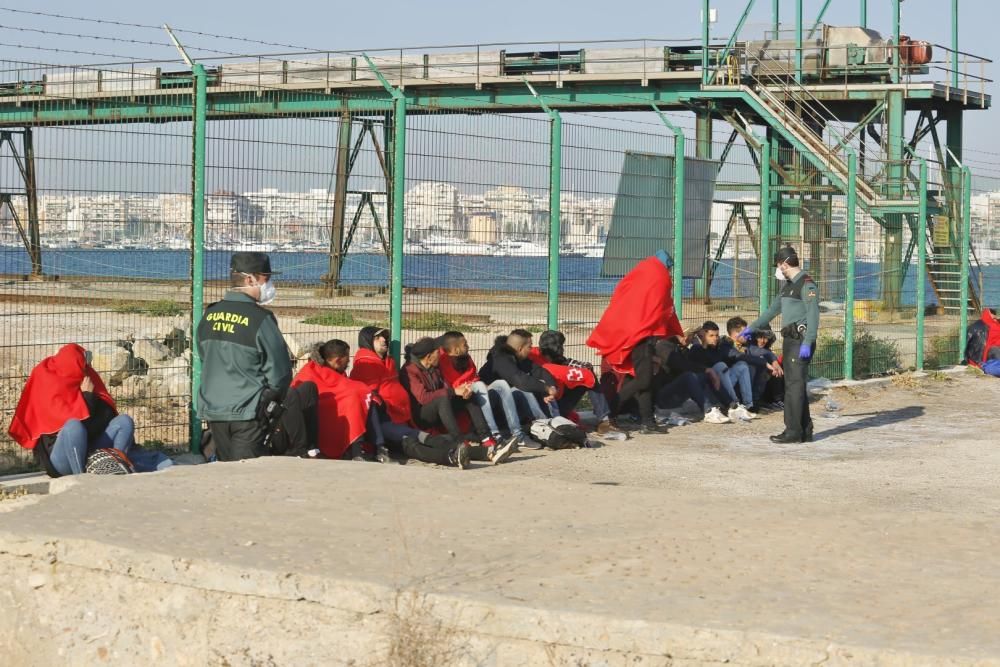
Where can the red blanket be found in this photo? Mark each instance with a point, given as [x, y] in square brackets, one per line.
[641, 306]
[381, 377]
[567, 377]
[342, 411]
[992, 332]
[455, 377]
[52, 396]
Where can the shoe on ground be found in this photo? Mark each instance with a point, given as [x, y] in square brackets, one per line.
[715, 416]
[459, 457]
[359, 458]
[604, 426]
[501, 452]
[382, 455]
[740, 412]
[651, 428]
[785, 438]
[489, 442]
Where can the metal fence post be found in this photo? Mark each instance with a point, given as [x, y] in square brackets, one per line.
[963, 318]
[852, 203]
[555, 222]
[398, 210]
[679, 175]
[197, 243]
[765, 226]
[921, 263]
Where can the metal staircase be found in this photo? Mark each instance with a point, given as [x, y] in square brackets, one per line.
[793, 112]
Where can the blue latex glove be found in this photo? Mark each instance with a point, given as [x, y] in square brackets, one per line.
[746, 333]
[805, 351]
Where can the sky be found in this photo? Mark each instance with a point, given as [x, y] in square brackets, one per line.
[341, 25]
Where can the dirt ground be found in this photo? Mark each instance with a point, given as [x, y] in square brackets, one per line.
[880, 537]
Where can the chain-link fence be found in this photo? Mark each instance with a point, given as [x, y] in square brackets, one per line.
[462, 227]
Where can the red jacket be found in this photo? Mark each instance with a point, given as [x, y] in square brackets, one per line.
[455, 377]
[992, 332]
[52, 396]
[342, 411]
[640, 307]
[381, 377]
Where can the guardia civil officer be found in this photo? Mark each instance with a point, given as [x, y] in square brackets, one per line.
[246, 368]
[798, 303]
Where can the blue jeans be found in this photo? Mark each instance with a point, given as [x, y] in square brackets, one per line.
[384, 429]
[481, 397]
[511, 402]
[991, 367]
[733, 377]
[69, 453]
[685, 386]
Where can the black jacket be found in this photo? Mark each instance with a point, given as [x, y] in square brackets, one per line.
[502, 364]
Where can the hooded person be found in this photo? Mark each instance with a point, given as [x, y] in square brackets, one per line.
[510, 360]
[640, 312]
[573, 378]
[342, 403]
[375, 367]
[982, 339]
[65, 413]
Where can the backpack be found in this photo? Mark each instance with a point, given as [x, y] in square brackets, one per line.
[108, 462]
[558, 433]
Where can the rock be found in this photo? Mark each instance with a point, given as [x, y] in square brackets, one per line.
[296, 348]
[151, 351]
[171, 383]
[109, 359]
[134, 387]
[176, 340]
[37, 580]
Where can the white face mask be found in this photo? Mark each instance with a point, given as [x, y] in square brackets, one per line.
[778, 274]
[267, 293]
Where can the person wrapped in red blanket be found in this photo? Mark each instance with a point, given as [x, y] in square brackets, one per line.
[66, 413]
[641, 311]
[342, 404]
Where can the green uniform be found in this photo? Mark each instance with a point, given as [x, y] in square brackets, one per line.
[798, 304]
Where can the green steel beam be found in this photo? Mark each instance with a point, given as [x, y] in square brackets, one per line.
[819, 18]
[893, 224]
[398, 211]
[798, 41]
[963, 317]
[706, 8]
[555, 206]
[679, 189]
[197, 244]
[732, 38]
[921, 263]
[852, 205]
[766, 228]
[954, 43]
[776, 17]
[864, 13]
[897, 64]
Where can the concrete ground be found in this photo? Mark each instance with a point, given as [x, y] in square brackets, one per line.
[875, 545]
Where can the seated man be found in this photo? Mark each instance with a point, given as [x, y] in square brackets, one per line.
[772, 392]
[509, 360]
[459, 371]
[708, 350]
[342, 403]
[65, 414]
[680, 378]
[435, 403]
[573, 378]
[761, 367]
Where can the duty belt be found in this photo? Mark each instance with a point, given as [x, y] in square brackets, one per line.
[793, 331]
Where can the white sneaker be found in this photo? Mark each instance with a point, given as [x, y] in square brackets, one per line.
[740, 412]
[752, 415]
[715, 416]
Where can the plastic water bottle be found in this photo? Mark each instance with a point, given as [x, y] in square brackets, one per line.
[678, 420]
[832, 408]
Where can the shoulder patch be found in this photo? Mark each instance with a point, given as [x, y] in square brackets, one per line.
[810, 290]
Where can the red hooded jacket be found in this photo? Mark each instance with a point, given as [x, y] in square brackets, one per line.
[641, 306]
[382, 378]
[992, 332]
[52, 396]
[342, 410]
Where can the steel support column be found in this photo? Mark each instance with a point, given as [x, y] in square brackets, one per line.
[921, 263]
[703, 150]
[339, 204]
[893, 223]
[963, 318]
[852, 205]
[197, 242]
[555, 202]
[766, 228]
[679, 190]
[31, 192]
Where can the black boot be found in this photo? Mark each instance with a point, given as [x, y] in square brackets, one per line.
[651, 428]
[785, 438]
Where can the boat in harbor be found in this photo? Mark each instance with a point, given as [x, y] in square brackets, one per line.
[516, 248]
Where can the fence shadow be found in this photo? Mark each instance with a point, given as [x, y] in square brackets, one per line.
[874, 419]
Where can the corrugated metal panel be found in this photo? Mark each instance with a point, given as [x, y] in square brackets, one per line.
[643, 217]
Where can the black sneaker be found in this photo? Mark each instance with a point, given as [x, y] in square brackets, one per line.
[652, 428]
[382, 455]
[459, 457]
[503, 450]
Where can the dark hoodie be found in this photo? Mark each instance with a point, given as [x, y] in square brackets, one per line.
[502, 364]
